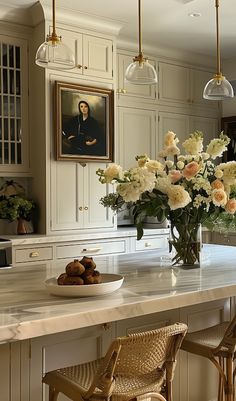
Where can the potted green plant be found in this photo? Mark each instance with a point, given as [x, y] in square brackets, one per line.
[18, 208]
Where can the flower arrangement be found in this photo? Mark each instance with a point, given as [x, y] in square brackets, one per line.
[188, 189]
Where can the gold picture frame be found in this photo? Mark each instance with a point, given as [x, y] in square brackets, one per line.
[84, 123]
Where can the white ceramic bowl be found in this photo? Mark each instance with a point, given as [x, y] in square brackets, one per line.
[110, 283]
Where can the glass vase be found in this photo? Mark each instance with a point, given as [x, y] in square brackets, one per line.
[185, 245]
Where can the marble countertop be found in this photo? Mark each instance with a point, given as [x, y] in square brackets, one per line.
[27, 310]
[126, 231]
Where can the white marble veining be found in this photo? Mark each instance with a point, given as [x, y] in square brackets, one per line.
[27, 310]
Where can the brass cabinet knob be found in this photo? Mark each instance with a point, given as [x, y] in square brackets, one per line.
[81, 208]
[148, 245]
[79, 66]
[85, 207]
[85, 67]
[34, 254]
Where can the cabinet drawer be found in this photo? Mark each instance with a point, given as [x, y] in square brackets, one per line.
[90, 249]
[33, 254]
[151, 243]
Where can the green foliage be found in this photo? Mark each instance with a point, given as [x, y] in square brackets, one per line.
[15, 207]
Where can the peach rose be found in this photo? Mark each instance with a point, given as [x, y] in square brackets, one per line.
[190, 170]
[219, 197]
[230, 206]
[217, 184]
[175, 175]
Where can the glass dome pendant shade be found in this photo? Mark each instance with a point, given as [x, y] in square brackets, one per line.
[218, 88]
[140, 72]
[53, 53]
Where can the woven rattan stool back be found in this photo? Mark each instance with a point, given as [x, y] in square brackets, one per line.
[134, 365]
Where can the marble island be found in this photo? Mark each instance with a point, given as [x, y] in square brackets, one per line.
[27, 310]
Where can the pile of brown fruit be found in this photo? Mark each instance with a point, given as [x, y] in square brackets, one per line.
[80, 272]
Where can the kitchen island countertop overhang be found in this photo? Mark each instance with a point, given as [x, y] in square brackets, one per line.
[27, 310]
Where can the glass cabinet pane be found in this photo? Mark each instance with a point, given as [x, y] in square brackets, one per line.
[10, 104]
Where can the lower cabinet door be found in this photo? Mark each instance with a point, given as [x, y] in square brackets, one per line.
[62, 350]
[75, 198]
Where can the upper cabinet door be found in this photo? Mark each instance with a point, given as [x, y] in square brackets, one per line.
[174, 83]
[126, 88]
[97, 57]
[14, 157]
[93, 55]
[199, 80]
[137, 135]
[179, 84]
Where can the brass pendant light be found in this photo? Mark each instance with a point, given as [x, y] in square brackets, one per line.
[218, 88]
[140, 72]
[53, 53]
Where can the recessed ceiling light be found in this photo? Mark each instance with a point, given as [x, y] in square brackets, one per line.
[195, 15]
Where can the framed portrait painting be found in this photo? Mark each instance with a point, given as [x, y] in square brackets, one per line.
[84, 126]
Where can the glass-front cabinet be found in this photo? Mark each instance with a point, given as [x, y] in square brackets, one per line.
[13, 106]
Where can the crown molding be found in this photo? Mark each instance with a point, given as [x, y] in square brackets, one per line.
[43, 12]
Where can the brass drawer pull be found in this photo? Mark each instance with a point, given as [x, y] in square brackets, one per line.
[91, 249]
[34, 254]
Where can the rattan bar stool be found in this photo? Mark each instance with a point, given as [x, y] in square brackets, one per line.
[218, 344]
[134, 365]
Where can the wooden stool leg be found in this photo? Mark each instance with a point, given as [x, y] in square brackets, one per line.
[221, 384]
[53, 394]
[229, 379]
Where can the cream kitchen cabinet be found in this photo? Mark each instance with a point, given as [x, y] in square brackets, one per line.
[183, 85]
[14, 152]
[75, 197]
[183, 125]
[137, 134]
[128, 89]
[195, 378]
[62, 350]
[93, 54]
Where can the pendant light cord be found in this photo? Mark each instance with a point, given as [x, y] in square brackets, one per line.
[217, 37]
[139, 28]
[53, 37]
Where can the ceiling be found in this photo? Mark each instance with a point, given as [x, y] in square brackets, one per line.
[165, 23]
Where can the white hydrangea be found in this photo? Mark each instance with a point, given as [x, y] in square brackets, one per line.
[141, 180]
[229, 172]
[178, 197]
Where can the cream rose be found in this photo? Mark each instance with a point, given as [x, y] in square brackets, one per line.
[230, 206]
[113, 171]
[219, 197]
